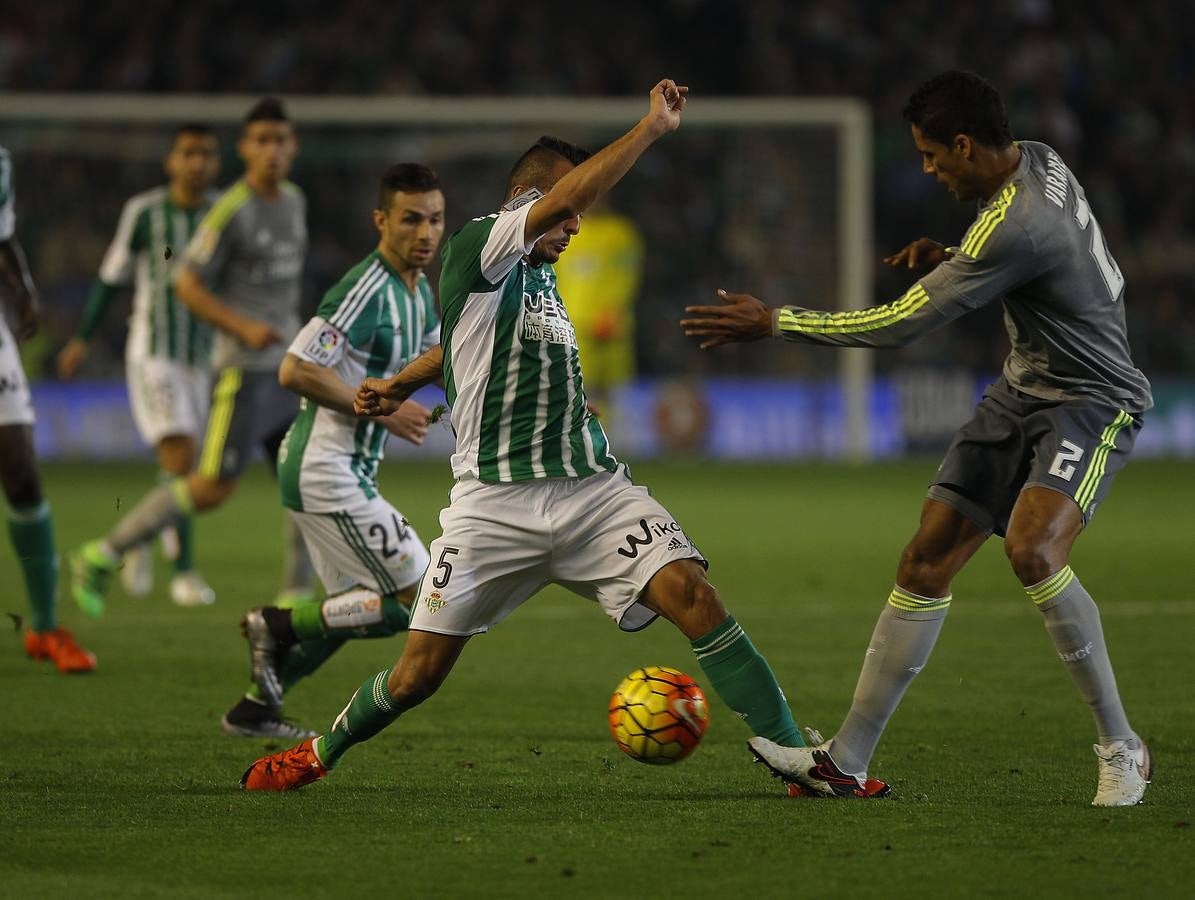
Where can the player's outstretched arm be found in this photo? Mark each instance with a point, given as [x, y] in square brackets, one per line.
[17, 290]
[383, 396]
[742, 317]
[580, 187]
[253, 333]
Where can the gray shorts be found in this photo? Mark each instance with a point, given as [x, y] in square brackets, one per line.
[249, 409]
[1015, 441]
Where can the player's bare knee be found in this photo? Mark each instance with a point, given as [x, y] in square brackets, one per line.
[921, 571]
[1033, 558]
[688, 599]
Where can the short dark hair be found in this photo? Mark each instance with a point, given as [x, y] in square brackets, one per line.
[406, 178]
[267, 109]
[958, 102]
[534, 166]
[198, 128]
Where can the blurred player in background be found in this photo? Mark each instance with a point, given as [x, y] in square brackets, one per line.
[30, 527]
[166, 356]
[242, 274]
[600, 275]
[376, 319]
[539, 497]
[1039, 454]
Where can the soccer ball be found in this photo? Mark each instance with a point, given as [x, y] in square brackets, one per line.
[658, 715]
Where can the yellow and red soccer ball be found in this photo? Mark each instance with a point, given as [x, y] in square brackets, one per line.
[658, 715]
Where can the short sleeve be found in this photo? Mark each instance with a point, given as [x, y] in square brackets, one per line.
[319, 342]
[8, 218]
[211, 245]
[506, 243]
[117, 267]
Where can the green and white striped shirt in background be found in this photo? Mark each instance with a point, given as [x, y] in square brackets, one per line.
[150, 239]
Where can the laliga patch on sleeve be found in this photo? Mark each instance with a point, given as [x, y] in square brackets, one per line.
[518, 202]
[325, 345]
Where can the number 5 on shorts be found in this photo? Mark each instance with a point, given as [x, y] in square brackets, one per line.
[444, 566]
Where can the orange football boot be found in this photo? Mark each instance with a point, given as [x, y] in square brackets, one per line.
[873, 788]
[59, 647]
[285, 771]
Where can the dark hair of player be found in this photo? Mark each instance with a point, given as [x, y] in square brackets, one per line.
[534, 167]
[267, 109]
[196, 128]
[406, 178]
[958, 102]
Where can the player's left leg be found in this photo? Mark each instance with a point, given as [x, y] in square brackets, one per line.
[1079, 447]
[31, 530]
[176, 458]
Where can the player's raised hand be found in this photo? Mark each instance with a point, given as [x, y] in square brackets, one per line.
[739, 319]
[667, 103]
[409, 422]
[922, 254]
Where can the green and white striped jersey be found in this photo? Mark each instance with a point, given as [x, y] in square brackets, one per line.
[368, 325]
[8, 218]
[149, 242]
[511, 368]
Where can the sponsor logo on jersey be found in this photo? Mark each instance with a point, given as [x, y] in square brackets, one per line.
[545, 319]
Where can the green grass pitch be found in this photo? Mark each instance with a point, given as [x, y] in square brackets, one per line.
[507, 784]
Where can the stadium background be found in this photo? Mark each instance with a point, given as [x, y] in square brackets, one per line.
[507, 784]
[1107, 86]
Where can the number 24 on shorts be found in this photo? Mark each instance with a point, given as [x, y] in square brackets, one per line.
[444, 567]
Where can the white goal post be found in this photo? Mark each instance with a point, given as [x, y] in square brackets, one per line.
[849, 117]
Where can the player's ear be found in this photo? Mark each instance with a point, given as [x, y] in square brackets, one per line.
[379, 219]
[964, 146]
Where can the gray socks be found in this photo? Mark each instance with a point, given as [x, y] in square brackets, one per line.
[900, 646]
[164, 505]
[1073, 623]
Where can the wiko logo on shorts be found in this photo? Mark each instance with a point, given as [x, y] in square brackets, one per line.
[649, 534]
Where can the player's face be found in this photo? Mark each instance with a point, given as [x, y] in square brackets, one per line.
[193, 161]
[412, 227]
[949, 164]
[549, 247]
[268, 149]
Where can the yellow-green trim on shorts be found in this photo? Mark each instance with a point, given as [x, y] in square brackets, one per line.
[219, 421]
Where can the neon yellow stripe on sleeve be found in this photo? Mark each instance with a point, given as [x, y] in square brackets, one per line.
[989, 222]
[857, 320]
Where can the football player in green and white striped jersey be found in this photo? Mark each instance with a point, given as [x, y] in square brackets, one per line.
[539, 498]
[377, 318]
[166, 355]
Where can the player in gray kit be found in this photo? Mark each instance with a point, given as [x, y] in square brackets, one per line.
[242, 273]
[1040, 452]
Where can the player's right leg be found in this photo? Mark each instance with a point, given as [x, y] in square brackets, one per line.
[31, 530]
[900, 646]
[426, 661]
[176, 458]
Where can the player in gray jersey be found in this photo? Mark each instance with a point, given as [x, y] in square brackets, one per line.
[539, 498]
[1040, 453]
[241, 273]
[166, 355]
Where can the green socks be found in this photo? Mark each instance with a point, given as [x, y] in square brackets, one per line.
[746, 683]
[32, 533]
[357, 613]
[371, 709]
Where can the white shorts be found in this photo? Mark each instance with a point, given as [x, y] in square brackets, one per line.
[16, 403]
[602, 537]
[368, 546]
[168, 397]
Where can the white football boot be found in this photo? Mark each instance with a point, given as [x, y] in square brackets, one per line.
[1124, 774]
[813, 770]
[137, 571]
[189, 589]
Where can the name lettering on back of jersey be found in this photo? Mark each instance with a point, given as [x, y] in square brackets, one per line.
[545, 319]
[1057, 179]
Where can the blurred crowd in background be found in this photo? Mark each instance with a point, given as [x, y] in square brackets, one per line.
[1108, 84]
